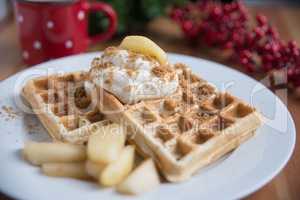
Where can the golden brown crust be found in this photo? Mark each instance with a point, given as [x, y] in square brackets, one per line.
[184, 141]
[185, 135]
[59, 103]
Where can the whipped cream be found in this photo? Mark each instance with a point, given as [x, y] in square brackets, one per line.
[132, 77]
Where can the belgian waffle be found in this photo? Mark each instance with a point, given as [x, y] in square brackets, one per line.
[190, 129]
[64, 107]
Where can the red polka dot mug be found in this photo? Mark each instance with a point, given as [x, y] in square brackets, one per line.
[51, 28]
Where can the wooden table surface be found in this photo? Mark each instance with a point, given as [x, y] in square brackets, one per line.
[286, 185]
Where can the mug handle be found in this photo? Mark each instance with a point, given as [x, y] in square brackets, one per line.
[112, 18]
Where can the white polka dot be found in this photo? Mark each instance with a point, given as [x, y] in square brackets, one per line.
[25, 54]
[20, 18]
[80, 15]
[69, 44]
[50, 24]
[37, 45]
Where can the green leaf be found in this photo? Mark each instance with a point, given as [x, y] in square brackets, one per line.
[132, 14]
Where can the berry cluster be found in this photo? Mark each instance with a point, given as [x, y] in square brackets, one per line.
[227, 27]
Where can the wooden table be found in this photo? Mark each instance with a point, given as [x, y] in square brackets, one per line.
[284, 186]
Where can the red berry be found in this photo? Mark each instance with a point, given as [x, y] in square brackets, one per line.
[226, 26]
[228, 45]
[217, 11]
[292, 44]
[259, 32]
[187, 25]
[261, 20]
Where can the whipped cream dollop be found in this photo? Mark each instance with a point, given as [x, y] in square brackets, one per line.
[132, 77]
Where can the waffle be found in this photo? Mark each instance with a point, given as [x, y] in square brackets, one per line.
[190, 129]
[64, 107]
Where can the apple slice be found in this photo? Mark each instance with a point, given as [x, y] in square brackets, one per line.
[38, 153]
[105, 145]
[94, 169]
[144, 45]
[142, 179]
[116, 171]
[71, 170]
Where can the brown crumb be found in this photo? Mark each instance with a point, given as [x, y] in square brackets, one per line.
[164, 133]
[163, 72]
[10, 113]
[96, 62]
[205, 90]
[130, 72]
[170, 104]
[180, 66]
[159, 71]
[205, 115]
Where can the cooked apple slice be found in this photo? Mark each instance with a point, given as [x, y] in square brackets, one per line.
[71, 170]
[142, 179]
[105, 145]
[38, 153]
[145, 46]
[94, 169]
[116, 171]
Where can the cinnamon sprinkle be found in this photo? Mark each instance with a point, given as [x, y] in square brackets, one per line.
[10, 114]
[96, 62]
[164, 72]
[180, 66]
[130, 72]
[170, 104]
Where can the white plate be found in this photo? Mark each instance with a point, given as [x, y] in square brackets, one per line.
[243, 171]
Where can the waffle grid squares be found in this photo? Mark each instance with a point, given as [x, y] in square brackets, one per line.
[64, 104]
[182, 132]
[185, 122]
